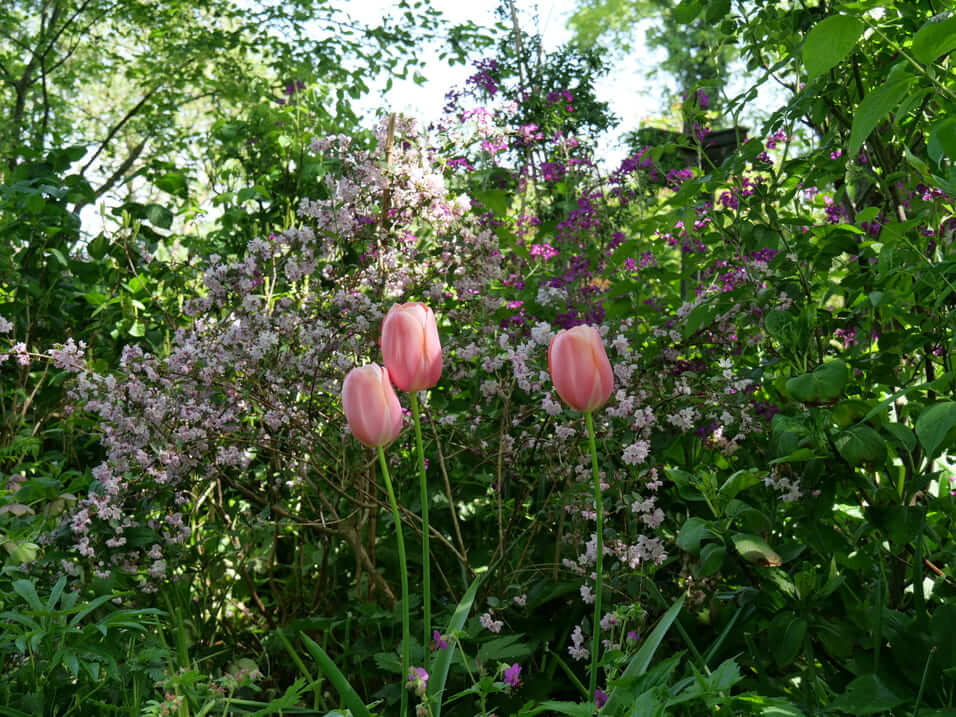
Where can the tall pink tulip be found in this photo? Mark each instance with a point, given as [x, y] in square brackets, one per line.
[411, 350]
[580, 369]
[371, 406]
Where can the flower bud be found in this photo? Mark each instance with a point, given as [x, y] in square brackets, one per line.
[411, 350]
[371, 406]
[580, 369]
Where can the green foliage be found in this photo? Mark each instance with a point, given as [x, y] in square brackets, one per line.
[785, 311]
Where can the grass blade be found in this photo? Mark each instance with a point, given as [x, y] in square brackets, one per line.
[335, 676]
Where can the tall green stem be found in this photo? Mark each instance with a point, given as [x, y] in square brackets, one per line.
[598, 559]
[406, 630]
[426, 555]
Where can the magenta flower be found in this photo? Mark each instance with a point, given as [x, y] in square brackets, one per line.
[440, 643]
[511, 675]
[417, 680]
[599, 698]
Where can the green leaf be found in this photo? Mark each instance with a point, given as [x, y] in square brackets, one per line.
[686, 11]
[755, 549]
[701, 315]
[158, 216]
[866, 695]
[691, 533]
[787, 633]
[860, 444]
[335, 676]
[98, 247]
[829, 42]
[503, 648]
[935, 38]
[824, 383]
[934, 425]
[174, 183]
[711, 560]
[874, 107]
[574, 709]
[739, 481]
[942, 140]
[26, 590]
[717, 10]
[436, 685]
[642, 660]
[903, 435]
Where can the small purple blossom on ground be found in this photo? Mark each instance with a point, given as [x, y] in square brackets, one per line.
[511, 675]
[440, 642]
[600, 698]
[417, 680]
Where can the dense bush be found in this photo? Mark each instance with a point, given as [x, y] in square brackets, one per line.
[777, 515]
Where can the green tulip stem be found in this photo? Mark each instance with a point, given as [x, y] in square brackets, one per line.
[406, 630]
[426, 555]
[598, 559]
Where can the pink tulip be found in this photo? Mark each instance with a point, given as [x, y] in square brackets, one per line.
[579, 367]
[411, 350]
[371, 406]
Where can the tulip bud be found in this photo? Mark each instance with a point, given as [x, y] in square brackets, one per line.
[411, 350]
[371, 406]
[580, 370]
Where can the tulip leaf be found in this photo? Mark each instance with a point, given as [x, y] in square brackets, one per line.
[441, 664]
[335, 676]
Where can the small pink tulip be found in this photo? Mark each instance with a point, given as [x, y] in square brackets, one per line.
[579, 368]
[371, 406]
[411, 350]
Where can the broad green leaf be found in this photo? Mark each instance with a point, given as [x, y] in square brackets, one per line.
[717, 10]
[739, 481]
[711, 559]
[98, 247]
[829, 42]
[787, 634]
[934, 425]
[848, 412]
[755, 549]
[942, 140]
[687, 10]
[699, 316]
[174, 183]
[866, 695]
[874, 107]
[158, 216]
[824, 383]
[903, 434]
[935, 38]
[26, 590]
[860, 444]
[25, 552]
[691, 533]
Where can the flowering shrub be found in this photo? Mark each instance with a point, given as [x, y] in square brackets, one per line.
[769, 466]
